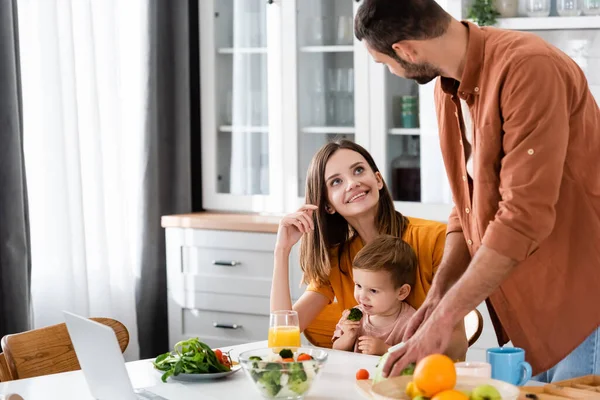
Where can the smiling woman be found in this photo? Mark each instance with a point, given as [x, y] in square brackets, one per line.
[347, 205]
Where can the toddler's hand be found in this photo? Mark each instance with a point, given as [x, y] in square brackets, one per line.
[371, 345]
[349, 327]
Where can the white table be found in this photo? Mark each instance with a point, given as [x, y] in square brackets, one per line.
[336, 381]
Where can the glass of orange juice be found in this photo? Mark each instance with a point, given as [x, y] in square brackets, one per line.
[284, 329]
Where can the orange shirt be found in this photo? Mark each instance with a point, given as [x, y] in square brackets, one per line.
[535, 191]
[427, 238]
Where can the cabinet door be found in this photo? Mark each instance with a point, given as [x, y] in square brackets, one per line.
[325, 83]
[405, 144]
[239, 43]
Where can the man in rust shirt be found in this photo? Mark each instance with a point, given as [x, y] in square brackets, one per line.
[520, 137]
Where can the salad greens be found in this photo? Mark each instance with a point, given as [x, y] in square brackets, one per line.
[189, 357]
[276, 377]
[286, 353]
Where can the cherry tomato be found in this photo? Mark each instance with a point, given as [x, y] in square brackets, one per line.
[288, 360]
[362, 374]
[304, 357]
[219, 354]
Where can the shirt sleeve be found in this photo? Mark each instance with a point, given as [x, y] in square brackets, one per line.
[453, 222]
[535, 106]
[325, 290]
[438, 248]
[338, 330]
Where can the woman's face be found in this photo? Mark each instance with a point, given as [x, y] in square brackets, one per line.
[352, 186]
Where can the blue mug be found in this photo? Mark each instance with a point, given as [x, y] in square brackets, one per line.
[509, 365]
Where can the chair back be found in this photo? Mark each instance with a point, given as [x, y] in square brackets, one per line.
[48, 350]
[473, 326]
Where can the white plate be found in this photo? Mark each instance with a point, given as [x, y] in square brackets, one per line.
[202, 377]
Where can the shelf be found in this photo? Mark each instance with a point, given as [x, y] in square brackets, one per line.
[342, 130]
[327, 49]
[549, 23]
[404, 131]
[242, 50]
[249, 129]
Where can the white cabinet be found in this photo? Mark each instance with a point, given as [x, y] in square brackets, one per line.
[281, 78]
[219, 283]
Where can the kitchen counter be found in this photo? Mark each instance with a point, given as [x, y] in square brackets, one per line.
[223, 221]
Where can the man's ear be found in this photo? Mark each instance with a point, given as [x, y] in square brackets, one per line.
[403, 292]
[406, 51]
[379, 178]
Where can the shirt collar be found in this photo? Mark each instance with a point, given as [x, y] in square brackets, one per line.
[469, 82]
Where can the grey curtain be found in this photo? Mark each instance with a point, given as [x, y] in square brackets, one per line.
[15, 261]
[167, 187]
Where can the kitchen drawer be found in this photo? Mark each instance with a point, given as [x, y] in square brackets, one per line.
[221, 302]
[224, 239]
[226, 262]
[232, 326]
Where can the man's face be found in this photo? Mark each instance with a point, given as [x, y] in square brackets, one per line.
[421, 73]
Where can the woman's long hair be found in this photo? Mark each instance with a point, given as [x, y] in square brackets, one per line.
[332, 229]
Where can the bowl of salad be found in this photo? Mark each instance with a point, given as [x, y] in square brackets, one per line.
[283, 373]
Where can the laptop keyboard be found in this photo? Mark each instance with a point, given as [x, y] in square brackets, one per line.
[142, 394]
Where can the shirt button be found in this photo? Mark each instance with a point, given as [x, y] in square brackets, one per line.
[467, 210]
[469, 242]
[530, 152]
[464, 177]
[476, 89]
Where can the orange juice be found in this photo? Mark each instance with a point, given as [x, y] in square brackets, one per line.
[284, 336]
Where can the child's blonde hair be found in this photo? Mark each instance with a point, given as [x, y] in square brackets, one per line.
[391, 254]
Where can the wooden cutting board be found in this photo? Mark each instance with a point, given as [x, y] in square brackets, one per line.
[538, 391]
[364, 388]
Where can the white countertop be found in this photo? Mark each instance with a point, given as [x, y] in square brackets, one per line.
[336, 381]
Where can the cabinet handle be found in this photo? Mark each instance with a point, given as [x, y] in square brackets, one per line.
[226, 263]
[270, 1]
[226, 326]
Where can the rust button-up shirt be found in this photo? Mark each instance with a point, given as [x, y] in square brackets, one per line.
[535, 191]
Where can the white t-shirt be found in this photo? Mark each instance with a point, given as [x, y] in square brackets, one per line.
[468, 121]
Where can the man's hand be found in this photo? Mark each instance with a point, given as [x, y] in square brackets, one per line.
[421, 316]
[371, 345]
[433, 337]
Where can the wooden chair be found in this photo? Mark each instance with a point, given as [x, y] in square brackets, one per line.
[47, 350]
[4, 372]
[320, 331]
[473, 326]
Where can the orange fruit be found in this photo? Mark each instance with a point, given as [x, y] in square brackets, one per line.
[434, 374]
[450, 395]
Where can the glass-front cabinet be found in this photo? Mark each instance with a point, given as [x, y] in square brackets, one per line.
[324, 83]
[240, 104]
[280, 78]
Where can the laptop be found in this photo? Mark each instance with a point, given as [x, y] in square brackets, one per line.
[101, 360]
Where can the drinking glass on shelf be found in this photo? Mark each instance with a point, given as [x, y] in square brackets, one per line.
[284, 329]
[319, 28]
[507, 8]
[538, 8]
[344, 30]
[568, 8]
[591, 7]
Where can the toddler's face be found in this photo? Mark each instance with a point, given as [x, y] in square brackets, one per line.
[375, 292]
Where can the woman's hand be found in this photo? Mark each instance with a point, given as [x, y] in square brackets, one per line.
[294, 225]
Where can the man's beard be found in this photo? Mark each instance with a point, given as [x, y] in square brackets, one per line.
[421, 73]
